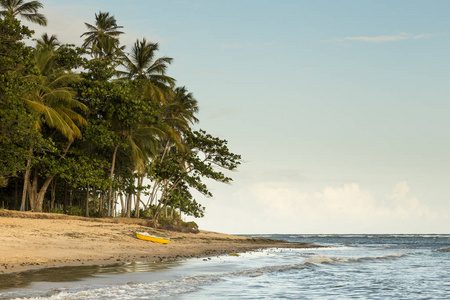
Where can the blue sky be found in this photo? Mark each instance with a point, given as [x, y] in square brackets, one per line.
[339, 108]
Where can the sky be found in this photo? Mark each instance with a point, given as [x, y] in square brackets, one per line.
[338, 108]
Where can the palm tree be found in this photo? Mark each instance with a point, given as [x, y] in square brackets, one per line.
[142, 65]
[52, 98]
[47, 42]
[26, 10]
[141, 140]
[109, 49]
[178, 113]
[183, 105]
[105, 28]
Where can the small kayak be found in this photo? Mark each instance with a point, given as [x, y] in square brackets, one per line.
[147, 237]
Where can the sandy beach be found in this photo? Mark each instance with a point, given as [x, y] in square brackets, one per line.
[38, 240]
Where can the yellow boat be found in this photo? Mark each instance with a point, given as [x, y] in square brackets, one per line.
[147, 237]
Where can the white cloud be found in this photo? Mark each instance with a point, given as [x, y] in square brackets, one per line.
[276, 207]
[386, 38]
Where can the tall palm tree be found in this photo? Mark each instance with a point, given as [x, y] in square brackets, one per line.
[54, 100]
[47, 42]
[26, 10]
[142, 65]
[105, 27]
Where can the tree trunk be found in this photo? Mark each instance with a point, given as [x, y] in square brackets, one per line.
[65, 197]
[71, 196]
[122, 207]
[101, 206]
[87, 202]
[26, 180]
[52, 205]
[114, 212]
[32, 190]
[129, 199]
[138, 197]
[40, 197]
[111, 174]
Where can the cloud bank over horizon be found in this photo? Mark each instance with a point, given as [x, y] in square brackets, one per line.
[347, 208]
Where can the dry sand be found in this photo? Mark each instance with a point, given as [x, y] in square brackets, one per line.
[37, 240]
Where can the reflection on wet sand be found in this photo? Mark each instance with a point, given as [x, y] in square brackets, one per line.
[79, 273]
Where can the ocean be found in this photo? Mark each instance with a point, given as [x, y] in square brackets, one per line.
[350, 267]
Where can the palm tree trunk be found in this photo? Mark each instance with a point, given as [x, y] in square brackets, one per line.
[122, 212]
[138, 198]
[129, 199]
[111, 174]
[26, 180]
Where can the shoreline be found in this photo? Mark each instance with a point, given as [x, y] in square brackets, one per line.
[30, 241]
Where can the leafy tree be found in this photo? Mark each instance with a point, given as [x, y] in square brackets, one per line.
[101, 132]
[27, 10]
[17, 132]
[203, 157]
[53, 99]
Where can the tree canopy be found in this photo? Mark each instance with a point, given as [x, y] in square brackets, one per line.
[96, 130]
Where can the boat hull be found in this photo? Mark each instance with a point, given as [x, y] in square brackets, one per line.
[156, 239]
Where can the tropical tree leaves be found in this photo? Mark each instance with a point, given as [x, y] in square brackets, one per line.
[27, 10]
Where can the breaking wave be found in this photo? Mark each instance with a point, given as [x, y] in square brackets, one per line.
[171, 288]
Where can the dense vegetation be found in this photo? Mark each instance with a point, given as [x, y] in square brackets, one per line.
[96, 130]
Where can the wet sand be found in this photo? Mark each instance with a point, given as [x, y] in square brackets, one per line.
[36, 240]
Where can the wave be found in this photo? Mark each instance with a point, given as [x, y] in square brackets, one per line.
[444, 249]
[174, 288]
[327, 260]
[153, 290]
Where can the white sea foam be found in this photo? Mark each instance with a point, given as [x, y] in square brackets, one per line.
[363, 271]
[443, 249]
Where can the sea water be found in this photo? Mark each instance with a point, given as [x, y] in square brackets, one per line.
[350, 267]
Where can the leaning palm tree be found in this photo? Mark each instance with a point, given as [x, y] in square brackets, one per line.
[142, 65]
[26, 10]
[47, 42]
[105, 26]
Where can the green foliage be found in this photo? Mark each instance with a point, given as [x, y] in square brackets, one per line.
[17, 131]
[87, 130]
[75, 211]
[27, 10]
